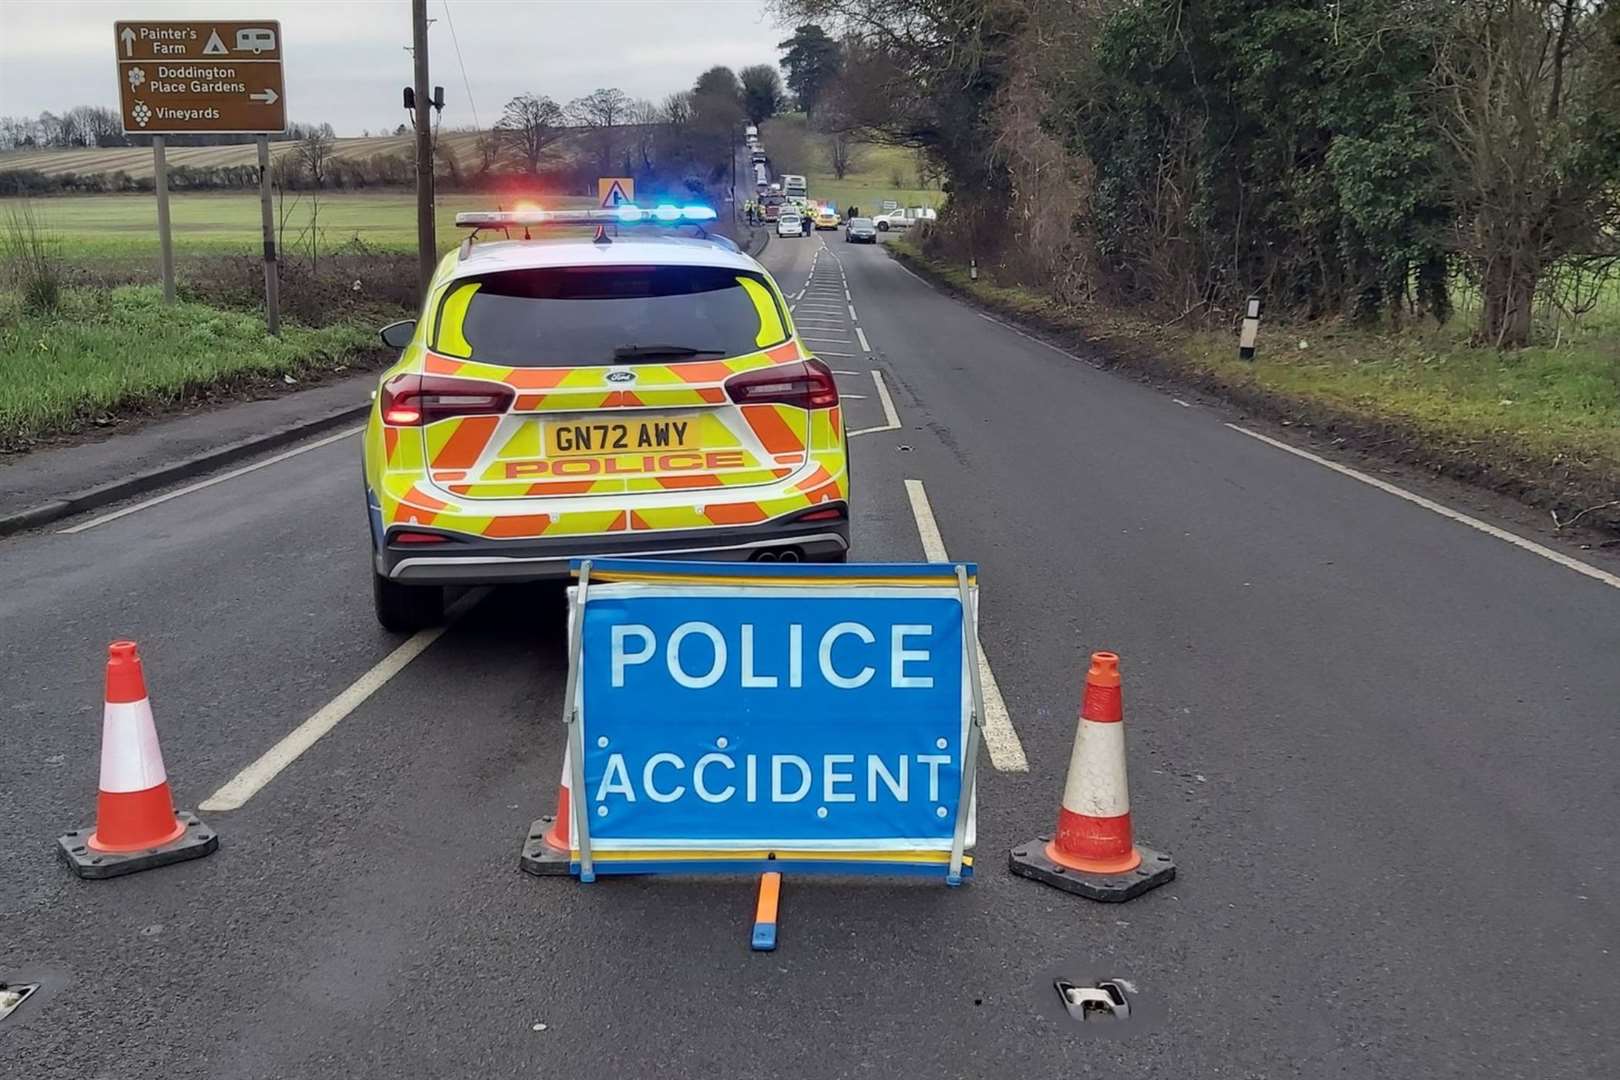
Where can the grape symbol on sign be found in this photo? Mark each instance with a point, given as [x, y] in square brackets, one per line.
[141, 113]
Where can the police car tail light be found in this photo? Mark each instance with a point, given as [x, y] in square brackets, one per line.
[408, 400]
[808, 384]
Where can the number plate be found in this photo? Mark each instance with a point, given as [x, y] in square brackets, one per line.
[575, 438]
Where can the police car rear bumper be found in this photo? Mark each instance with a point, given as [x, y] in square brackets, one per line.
[468, 561]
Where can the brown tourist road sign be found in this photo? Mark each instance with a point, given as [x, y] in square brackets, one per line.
[182, 77]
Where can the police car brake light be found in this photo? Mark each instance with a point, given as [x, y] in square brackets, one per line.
[409, 400]
[808, 384]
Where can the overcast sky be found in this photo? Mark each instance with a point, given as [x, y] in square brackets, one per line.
[346, 61]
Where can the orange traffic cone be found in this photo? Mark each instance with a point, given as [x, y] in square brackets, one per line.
[136, 825]
[549, 847]
[1093, 853]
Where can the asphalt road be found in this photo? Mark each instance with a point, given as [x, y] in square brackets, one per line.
[1379, 743]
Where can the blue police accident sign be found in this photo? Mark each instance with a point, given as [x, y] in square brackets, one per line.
[729, 715]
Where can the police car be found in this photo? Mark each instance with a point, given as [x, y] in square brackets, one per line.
[636, 392]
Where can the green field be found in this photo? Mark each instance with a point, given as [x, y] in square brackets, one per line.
[136, 161]
[218, 222]
[794, 148]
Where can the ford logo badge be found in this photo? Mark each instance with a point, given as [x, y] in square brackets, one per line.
[621, 376]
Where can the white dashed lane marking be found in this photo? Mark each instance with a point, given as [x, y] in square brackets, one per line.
[1000, 737]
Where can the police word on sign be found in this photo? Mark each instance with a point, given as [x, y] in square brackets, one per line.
[796, 721]
[635, 644]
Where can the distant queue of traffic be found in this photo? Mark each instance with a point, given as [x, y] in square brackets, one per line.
[786, 205]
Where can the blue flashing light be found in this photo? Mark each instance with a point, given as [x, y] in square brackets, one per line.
[698, 213]
[667, 213]
[629, 213]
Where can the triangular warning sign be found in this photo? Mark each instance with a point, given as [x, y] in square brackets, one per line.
[215, 47]
[615, 194]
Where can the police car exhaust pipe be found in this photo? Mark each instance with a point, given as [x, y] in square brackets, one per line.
[789, 555]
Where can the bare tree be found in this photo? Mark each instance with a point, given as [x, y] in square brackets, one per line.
[530, 125]
[843, 153]
[645, 118]
[602, 111]
[488, 146]
[314, 153]
[1525, 87]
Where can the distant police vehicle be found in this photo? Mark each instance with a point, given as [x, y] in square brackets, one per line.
[564, 394]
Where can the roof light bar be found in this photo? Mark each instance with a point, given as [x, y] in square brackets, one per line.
[623, 214]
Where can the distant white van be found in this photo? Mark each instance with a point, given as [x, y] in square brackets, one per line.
[793, 184]
[750, 131]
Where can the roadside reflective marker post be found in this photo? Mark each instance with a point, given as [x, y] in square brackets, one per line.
[160, 169]
[272, 284]
[1251, 329]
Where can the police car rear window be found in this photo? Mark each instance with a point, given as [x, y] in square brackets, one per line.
[586, 316]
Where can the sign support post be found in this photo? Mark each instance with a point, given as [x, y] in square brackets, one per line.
[160, 167]
[272, 284]
[576, 738]
[970, 756]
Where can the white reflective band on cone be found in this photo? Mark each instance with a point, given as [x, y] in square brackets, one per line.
[130, 758]
[568, 817]
[1096, 785]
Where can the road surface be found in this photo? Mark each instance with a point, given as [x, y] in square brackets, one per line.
[1380, 743]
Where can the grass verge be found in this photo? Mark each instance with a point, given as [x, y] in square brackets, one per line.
[1541, 424]
[115, 352]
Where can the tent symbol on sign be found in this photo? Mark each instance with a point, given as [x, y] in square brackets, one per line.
[615, 195]
[215, 47]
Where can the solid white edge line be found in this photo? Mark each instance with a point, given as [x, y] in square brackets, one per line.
[862, 335]
[211, 481]
[889, 412]
[1444, 511]
[247, 783]
[1000, 737]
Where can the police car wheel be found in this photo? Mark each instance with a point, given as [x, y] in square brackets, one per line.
[405, 609]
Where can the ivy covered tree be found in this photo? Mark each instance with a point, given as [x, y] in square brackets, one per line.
[812, 60]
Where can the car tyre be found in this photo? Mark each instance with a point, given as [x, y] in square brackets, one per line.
[883, 226]
[405, 609]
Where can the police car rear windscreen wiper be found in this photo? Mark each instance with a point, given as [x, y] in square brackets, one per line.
[629, 354]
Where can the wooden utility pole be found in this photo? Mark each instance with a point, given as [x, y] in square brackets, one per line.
[426, 236]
